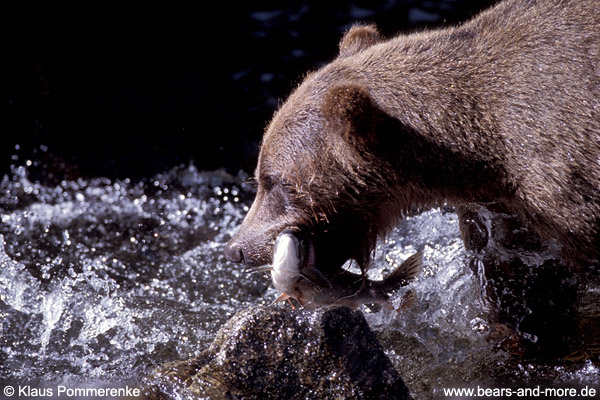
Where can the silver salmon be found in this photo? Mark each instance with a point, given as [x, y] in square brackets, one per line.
[294, 275]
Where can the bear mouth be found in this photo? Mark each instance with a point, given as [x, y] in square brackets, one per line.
[323, 254]
[309, 254]
[293, 258]
[305, 249]
[297, 252]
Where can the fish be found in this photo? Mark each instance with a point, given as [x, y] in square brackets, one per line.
[292, 262]
[293, 273]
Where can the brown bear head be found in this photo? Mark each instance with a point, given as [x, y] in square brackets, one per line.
[324, 169]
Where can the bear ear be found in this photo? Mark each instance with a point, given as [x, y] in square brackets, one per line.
[350, 112]
[358, 38]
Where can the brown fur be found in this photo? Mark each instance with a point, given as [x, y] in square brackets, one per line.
[358, 38]
[503, 108]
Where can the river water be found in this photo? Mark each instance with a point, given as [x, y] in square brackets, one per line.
[102, 279]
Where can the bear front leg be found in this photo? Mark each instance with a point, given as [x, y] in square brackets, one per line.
[532, 294]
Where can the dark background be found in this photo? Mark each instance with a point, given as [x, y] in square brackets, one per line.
[130, 89]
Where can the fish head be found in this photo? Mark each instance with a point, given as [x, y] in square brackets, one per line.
[290, 256]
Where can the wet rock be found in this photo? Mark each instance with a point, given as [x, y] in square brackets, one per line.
[276, 353]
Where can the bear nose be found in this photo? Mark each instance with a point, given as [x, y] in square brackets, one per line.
[234, 253]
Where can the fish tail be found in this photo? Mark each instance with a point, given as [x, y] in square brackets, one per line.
[406, 272]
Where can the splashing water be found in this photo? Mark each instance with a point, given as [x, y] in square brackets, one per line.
[441, 334]
[100, 280]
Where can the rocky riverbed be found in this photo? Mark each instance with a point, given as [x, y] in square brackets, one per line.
[270, 352]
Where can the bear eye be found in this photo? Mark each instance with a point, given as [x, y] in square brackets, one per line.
[277, 191]
[267, 182]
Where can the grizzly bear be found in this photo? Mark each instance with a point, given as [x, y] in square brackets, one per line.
[500, 113]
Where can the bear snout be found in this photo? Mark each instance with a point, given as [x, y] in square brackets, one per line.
[234, 252]
[252, 249]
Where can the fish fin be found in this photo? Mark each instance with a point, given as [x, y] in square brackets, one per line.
[316, 277]
[302, 303]
[291, 304]
[264, 268]
[280, 298]
[389, 307]
[407, 301]
[407, 271]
